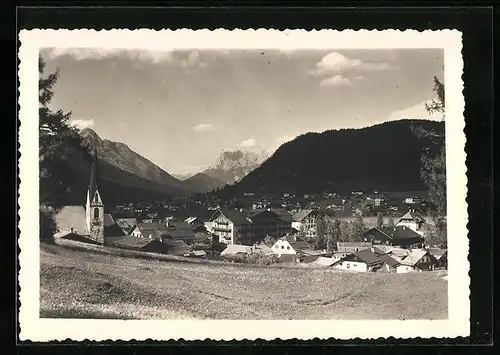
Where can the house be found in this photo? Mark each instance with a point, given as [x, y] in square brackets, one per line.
[248, 227]
[417, 260]
[125, 223]
[441, 256]
[361, 261]
[401, 236]
[197, 225]
[290, 244]
[161, 231]
[305, 221]
[412, 200]
[390, 264]
[237, 249]
[413, 220]
[352, 247]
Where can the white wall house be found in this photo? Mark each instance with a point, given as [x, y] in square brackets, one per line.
[413, 220]
[352, 266]
[224, 228]
[282, 246]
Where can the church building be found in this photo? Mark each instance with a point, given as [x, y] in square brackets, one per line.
[89, 222]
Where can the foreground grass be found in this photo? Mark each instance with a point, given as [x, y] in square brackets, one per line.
[79, 283]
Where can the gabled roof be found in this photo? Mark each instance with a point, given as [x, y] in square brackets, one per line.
[234, 216]
[396, 232]
[178, 234]
[438, 253]
[367, 257]
[414, 216]
[354, 244]
[176, 247]
[296, 242]
[233, 249]
[323, 261]
[283, 214]
[299, 216]
[389, 261]
[414, 255]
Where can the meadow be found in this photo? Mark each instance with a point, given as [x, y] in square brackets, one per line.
[81, 281]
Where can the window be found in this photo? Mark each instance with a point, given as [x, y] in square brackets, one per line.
[276, 246]
[282, 247]
[96, 213]
[95, 197]
[287, 248]
[348, 266]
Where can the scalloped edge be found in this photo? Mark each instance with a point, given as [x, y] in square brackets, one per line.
[60, 330]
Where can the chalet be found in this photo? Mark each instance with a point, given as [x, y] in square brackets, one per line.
[292, 245]
[390, 264]
[413, 220]
[305, 222]
[362, 261]
[441, 256]
[248, 227]
[417, 260]
[352, 247]
[401, 236]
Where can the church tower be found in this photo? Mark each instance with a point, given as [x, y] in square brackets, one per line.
[94, 207]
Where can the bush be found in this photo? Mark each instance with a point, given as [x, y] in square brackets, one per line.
[47, 225]
[254, 258]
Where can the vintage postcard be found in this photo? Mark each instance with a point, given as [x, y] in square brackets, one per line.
[242, 184]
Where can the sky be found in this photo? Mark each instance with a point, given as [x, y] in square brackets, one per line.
[182, 109]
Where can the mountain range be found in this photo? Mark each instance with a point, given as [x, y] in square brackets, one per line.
[381, 157]
[384, 157]
[124, 166]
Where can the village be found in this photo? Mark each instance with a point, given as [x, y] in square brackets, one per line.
[264, 234]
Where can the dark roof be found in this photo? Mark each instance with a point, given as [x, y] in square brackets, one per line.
[235, 216]
[178, 234]
[309, 258]
[180, 225]
[131, 242]
[296, 242]
[388, 260]
[111, 229]
[397, 232]
[368, 257]
[176, 247]
[283, 214]
[299, 216]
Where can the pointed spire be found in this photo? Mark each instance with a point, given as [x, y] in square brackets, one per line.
[94, 175]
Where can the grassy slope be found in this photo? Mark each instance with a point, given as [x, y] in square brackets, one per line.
[86, 284]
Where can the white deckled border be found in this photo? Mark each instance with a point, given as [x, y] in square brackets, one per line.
[35, 329]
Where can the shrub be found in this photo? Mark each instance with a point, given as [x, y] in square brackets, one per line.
[47, 224]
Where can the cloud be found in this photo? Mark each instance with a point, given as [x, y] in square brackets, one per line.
[247, 143]
[335, 62]
[336, 80]
[203, 127]
[81, 124]
[103, 53]
[416, 111]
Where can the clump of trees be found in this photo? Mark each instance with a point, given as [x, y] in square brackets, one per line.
[433, 171]
[59, 142]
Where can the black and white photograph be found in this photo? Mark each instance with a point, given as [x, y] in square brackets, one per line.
[245, 179]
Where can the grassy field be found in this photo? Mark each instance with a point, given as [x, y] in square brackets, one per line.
[85, 282]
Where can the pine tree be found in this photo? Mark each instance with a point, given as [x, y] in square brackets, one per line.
[333, 235]
[344, 231]
[358, 228]
[58, 141]
[380, 219]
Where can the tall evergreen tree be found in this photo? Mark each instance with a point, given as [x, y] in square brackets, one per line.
[333, 235]
[358, 228]
[380, 219]
[344, 234]
[58, 142]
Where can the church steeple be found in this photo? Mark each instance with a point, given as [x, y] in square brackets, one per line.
[95, 207]
[94, 175]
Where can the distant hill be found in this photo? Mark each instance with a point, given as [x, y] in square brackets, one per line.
[202, 183]
[122, 157]
[386, 157]
[182, 177]
[232, 166]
